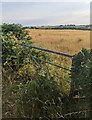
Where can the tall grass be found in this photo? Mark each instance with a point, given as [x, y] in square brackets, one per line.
[70, 41]
[67, 41]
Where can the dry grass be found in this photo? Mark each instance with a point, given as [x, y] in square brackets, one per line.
[67, 41]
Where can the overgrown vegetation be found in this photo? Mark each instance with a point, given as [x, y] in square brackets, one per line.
[82, 77]
[30, 87]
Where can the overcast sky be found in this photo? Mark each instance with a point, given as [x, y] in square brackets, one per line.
[46, 13]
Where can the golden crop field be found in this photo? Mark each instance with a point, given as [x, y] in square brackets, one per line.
[67, 41]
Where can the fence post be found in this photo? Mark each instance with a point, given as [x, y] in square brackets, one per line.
[72, 86]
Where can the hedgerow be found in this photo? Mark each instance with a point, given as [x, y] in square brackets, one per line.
[31, 88]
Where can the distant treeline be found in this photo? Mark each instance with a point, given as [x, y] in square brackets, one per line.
[61, 27]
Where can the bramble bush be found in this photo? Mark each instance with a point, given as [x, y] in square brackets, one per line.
[29, 86]
[81, 76]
